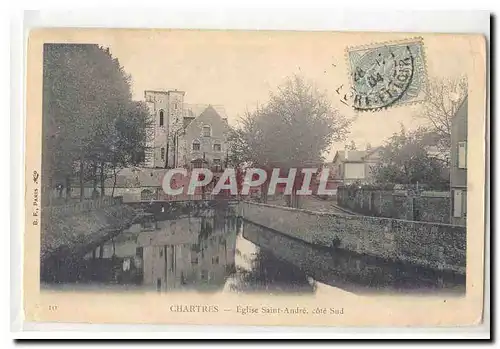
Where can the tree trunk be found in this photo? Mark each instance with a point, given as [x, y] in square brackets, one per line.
[94, 180]
[263, 192]
[82, 191]
[102, 178]
[114, 182]
[68, 188]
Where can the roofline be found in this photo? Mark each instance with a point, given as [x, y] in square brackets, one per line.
[373, 150]
[164, 92]
[209, 106]
[335, 157]
[463, 101]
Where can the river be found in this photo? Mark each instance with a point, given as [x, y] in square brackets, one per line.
[215, 252]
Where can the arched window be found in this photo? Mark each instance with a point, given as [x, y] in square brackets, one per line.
[217, 147]
[206, 131]
[161, 117]
[196, 145]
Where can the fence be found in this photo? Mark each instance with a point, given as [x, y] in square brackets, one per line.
[82, 206]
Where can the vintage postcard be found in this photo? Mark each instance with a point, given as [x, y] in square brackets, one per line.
[255, 177]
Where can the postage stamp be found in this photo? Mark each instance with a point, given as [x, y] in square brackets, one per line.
[389, 74]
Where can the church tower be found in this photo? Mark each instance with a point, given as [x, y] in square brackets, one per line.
[167, 112]
[157, 102]
[175, 125]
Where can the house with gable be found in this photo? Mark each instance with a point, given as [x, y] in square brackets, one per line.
[354, 166]
[203, 142]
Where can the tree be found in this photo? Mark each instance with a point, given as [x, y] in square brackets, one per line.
[85, 95]
[294, 129]
[133, 131]
[443, 98]
[352, 146]
[405, 160]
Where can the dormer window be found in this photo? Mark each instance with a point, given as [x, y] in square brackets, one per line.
[207, 131]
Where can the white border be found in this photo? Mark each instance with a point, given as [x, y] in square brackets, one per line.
[291, 18]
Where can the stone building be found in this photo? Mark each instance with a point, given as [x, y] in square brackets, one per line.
[167, 110]
[203, 142]
[185, 135]
[458, 168]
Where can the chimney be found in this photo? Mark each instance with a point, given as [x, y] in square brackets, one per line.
[346, 151]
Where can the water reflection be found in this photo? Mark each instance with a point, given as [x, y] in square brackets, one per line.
[259, 270]
[206, 254]
[216, 251]
[193, 252]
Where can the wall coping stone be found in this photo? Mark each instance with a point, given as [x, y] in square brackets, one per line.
[355, 217]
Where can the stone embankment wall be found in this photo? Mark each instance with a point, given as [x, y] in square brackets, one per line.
[434, 245]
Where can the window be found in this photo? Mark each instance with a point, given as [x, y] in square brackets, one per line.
[462, 154]
[206, 131]
[217, 162]
[457, 203]
[175, 105]
[215, 260]
[194, 258]
[162, 153]
[217, 147]
[196, 145]
[161, 117]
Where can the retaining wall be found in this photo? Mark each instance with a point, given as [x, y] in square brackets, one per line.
[434, 245]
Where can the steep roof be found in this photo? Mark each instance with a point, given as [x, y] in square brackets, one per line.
[192, 111]
[352, 155]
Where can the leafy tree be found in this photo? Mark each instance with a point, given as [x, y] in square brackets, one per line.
[130, 143]
[405, 160]
[352, 146]
[85, 95]
[294, 129]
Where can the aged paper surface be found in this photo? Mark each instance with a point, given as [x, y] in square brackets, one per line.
[391, 233]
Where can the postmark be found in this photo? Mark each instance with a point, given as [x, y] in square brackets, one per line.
[387, 74]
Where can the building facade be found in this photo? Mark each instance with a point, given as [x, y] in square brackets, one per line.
[204, 141]
[185, 135]
[458, 166]
[354, 166]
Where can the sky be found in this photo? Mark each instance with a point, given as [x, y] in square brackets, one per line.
[239, 69]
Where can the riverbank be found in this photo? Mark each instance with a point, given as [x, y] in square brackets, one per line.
[73, 231]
